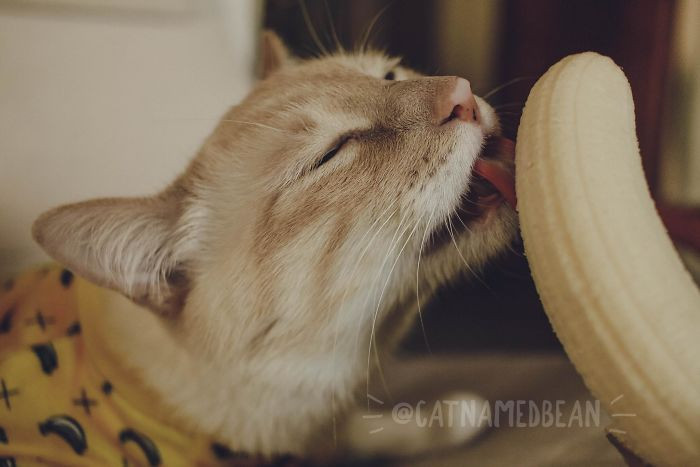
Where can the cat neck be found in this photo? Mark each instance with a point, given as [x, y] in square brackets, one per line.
[267, 399]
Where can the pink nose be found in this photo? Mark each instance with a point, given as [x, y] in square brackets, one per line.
[456, 101]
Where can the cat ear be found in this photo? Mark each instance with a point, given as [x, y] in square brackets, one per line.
[131, 245]
[274, 54]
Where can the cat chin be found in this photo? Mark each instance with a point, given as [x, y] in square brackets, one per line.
[454, 253]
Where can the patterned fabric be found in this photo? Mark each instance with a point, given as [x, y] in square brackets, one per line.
[58, 405]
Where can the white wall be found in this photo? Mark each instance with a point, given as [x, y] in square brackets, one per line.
[109, 102]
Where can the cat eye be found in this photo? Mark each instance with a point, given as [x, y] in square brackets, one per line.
[332, 152]
[390, 75]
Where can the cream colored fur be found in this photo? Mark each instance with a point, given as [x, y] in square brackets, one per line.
[270, 279]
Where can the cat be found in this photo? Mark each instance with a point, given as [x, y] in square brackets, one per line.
[291, 248]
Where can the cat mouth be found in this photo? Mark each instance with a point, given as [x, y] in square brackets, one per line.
[493, 180]
[492, 184]
[494, 171]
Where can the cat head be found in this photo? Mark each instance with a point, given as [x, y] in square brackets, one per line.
[318, 192]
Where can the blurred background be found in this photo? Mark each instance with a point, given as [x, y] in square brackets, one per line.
[112, 97]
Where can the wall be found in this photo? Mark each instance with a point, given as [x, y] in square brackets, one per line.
[109, 101]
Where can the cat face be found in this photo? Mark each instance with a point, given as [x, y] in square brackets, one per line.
[329, 181]
[313, 200]
[331, 138]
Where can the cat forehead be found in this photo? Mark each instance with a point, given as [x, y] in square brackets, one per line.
[342, 69]
[374, 64]
[340, 85]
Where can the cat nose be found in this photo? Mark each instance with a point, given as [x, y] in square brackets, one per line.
[456, 102]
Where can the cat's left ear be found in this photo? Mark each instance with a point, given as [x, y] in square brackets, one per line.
[274, 53]
[137, 246]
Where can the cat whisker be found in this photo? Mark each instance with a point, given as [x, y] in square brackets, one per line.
[342, 302]
[506, 84]
[311, 28]
[508, 104]
[515, 111]
[450, 228]
[217, 119]
[366, 37]
[420, 253]
[465, 199]
[514, 251]
[334, 33]
[396, 238]
[381, 296]
[261, 125]
[509, 114]
[461, 221]
[477, 204]
[392, 244]
[463, 224]
[380, 370]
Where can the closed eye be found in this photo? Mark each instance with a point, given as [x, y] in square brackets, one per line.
[332, 152]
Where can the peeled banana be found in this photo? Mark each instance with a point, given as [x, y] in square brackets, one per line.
[612, 284]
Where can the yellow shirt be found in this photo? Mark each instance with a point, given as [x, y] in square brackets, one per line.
[62, 403]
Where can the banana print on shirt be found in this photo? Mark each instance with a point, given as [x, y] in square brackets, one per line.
[57, 405]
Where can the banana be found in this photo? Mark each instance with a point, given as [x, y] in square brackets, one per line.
[68, 428]
[150, 450]
[610, 280]
[48, 359]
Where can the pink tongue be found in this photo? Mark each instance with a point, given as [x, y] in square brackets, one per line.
[496, 173]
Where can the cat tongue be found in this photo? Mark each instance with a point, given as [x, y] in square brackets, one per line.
[501, 154]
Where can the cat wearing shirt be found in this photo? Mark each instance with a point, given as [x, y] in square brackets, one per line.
[293, 247]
